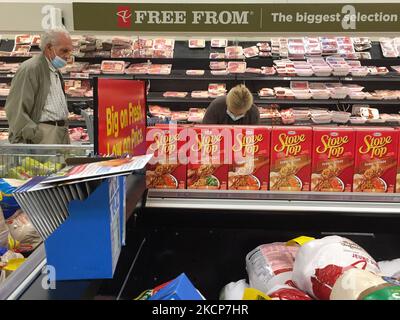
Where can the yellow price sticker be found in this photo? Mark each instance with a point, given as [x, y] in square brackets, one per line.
[299, 240]
[254, 294]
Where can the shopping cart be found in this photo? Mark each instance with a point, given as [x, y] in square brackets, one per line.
[23, 161]
[88, 116]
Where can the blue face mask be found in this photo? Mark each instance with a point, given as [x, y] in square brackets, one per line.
[233, 117]
[58, 62]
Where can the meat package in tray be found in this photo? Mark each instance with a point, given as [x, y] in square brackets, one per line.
[291, 152]
[166, 170]
[197, 43]
[175, 94]
[237, 67]
[333, 159]
[375, 160]
[219, 43]
[251, 52]
[112, 66]
[207, 162]
[234, 52]
[250, 158]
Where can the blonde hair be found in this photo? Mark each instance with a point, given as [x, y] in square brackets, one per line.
[239, 99]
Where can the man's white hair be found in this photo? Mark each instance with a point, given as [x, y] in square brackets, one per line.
[51, 36]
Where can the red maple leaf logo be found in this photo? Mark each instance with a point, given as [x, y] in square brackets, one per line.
[124, 14]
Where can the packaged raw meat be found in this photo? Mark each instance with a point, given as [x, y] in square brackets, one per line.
[175, 94]
[218, 65]
[121, 53]
[219, 43]
[164, 69]
[320, 263]
[266, 93]
[268, 71]
[112, 66]
[199, 94]
[396, 68]
[217, 55]
[35, 41]
[138, 68]
[195, 72]
[196, 114]
[333, 159]
[377, 70]
[250, 155]
[159, 111]
[216, 89]
[291, 152]
[264, 46]
[389, 50]
[236, 67]
[197, 43]
[21, 50]
[163, 54]
[23, 39]
[163, 44]
[234, 52]
[264, 54]
[165, 170]
[251, 52]
[299, 85]
[376, 160]
[207, 167]
[270, 264]
[222, 72]
[340, 116]
[180, 115]
[253, 70]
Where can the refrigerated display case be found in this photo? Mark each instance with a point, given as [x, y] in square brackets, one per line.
[207, 236]
[20, 161]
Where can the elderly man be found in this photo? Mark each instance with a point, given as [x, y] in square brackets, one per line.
[36, 107]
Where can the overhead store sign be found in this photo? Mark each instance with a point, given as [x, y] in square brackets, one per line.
[121, 117]
[178, 17]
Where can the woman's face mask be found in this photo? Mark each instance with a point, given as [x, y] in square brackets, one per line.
[233, 117]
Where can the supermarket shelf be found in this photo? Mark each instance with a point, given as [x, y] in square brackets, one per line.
[157, 97]
[371, 102]
[275, 201]
[181, 75]
[258, 100]
[260, 77]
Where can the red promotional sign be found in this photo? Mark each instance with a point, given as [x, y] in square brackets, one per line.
[121, 126]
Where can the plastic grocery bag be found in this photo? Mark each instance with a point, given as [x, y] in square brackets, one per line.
[287, 292]
[270, 264]
[233, 290]
[3, 231]
[7, 200]
[24, 237]
[319, 263]
[390, 268]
